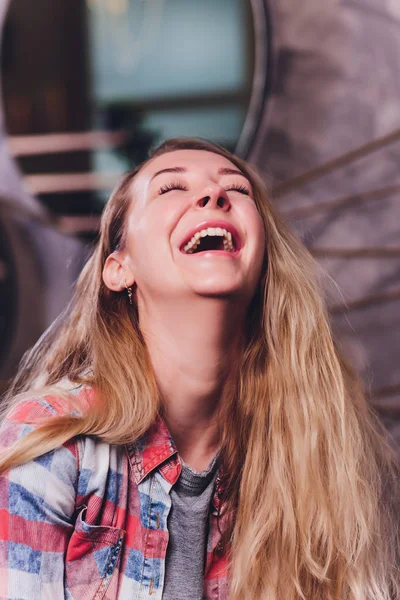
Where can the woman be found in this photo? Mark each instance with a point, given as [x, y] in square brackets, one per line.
[188, 428]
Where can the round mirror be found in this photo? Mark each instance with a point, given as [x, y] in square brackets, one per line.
[90, 85]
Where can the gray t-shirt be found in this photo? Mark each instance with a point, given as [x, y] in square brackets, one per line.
[188, 528]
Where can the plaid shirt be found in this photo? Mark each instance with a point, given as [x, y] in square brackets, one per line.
[88, 521]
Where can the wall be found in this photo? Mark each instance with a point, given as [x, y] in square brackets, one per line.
[336, 88]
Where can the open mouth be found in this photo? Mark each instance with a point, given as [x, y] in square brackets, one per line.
[210, 238]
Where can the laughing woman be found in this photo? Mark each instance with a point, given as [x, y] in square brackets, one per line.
[187, 429]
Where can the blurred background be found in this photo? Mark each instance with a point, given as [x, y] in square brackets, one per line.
[308, 92]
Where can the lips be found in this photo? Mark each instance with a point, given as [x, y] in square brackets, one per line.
[213, 223]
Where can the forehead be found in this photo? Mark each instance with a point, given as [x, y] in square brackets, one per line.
[192, 160]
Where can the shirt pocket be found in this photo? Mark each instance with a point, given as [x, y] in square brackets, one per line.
[92, 558]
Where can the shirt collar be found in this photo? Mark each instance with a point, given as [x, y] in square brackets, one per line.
[155, 449]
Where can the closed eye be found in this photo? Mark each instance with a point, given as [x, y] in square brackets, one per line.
[238, 187]
[171, 186]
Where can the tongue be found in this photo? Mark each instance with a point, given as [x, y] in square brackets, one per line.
[210, 243]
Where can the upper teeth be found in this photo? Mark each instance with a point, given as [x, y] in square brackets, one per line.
[191, 246]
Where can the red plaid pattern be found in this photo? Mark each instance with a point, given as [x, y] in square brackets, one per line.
[89, 519]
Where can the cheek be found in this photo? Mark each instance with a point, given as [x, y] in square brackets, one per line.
[257, 242]
[143, 230]
[255, 229]
[158, 218]
[139, 246]
[148, 243]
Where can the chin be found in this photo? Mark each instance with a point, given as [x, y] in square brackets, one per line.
[219, 290]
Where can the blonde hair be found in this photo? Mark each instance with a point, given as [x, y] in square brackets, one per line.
[306, 468]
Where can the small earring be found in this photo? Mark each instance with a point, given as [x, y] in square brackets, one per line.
[129, 290]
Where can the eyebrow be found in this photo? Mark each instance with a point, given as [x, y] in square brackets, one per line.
[170, 170]
[222, 171]
[227, 171]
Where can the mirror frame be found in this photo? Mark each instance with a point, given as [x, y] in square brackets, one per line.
[262, 77]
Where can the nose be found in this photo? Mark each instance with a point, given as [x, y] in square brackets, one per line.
[216, 198]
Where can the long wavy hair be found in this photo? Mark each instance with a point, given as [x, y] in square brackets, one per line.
[308, 473]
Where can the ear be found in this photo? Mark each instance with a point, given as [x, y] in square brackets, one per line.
[116, 273]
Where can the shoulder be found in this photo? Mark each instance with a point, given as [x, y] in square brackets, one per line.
[86, 453]
[60, 401]
[34, 410]
[80, 454]
[29, 414]
[33, 461]
[38, 486]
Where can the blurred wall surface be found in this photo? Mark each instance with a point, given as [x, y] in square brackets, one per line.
[337, 88]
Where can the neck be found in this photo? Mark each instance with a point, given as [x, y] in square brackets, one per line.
[192, 352]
